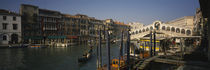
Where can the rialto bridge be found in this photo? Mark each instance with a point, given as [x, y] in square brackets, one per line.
[162, 30]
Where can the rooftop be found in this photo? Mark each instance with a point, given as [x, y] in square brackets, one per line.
[6, 12]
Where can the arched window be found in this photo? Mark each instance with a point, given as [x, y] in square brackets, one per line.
[4, 37]
[133, 33]
[147, 29]
[157, 25]
[143, 30]
[163, 28]
[139, 31]
[177, 30]
[188, 32]
[173, 29]
[168, 28]
[183, 31]
[151, 28]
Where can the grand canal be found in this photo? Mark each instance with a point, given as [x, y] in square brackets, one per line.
[51, 58]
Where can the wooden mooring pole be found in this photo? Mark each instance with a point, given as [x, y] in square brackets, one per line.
[128, 50]
[108, 50]
[150, 44]
[154, 43]
[100, 54]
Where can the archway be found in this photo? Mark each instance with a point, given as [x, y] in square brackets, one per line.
[168, 29]
[157, 25]
[173, 29]
[183, 31]
[133, 33]
[188, 32]
[147, 29]
[177, 30]
[136, 32]
[139, 31]
[143, 30]
[151, 28]
[163, 28]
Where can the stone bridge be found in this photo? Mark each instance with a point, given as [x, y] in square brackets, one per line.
[167, 29]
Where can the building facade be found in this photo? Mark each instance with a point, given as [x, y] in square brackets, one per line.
[135, 25]
[115, 28]
[199, 21]
[186, 21]
[71, 29]
[94, 27]
[42, 26]
[31, 29]
[10, 28]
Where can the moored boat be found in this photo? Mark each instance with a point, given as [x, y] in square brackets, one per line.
[18, 46]
[116, 64]
[85, 57]
[37, 46]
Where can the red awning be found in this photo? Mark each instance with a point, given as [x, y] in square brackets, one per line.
[72, 37]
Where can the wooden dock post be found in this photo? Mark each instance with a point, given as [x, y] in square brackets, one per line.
[100, 54]
[121, 50]
[151, 44]
[97, 61]
[128, 50]
[108, 50]
[154, 43]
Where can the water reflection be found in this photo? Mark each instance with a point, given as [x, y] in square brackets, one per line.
[11, 59]
[50, 58]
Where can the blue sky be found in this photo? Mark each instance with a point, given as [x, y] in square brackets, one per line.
[144, 11]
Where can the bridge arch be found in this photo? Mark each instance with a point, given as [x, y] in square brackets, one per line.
[188, 32]
[177, 30]
[151, 28]
[163, 28]
[157, 24]
[168, 28]
[139, 31]
[147, 29]
[136, 32]
[133, 33]
[172, 29]
[182, 31]
[143, 30]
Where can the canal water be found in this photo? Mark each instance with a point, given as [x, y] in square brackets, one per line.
[51, 58]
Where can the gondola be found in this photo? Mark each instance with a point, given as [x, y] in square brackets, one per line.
[85, 57]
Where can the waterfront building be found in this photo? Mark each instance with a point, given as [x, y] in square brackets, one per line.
[186, 21]
[81, 28]
[95, 26]
[10, 28]
[115, 28]
[135, 26]
[83, 20]
[41, 26]
[31, 29]
[199, 21]
[109, 23]
[71, 29]
[204, 5]
[119, 26]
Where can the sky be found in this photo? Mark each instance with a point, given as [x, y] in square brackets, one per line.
[143, 11]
